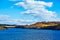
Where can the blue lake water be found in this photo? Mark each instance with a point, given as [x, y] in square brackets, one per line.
[29, 34]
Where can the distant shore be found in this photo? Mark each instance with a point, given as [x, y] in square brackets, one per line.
[38, 25]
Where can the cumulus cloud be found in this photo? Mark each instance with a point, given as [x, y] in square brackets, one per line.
[38, 9]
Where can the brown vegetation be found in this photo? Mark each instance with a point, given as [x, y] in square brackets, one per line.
[2, 28]
[38, 25]
[45, 25]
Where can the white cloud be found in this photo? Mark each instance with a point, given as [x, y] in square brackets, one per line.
[8, 20]
[5, 18]
[38, 8]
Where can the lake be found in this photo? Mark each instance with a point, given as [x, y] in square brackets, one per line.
[29, 34]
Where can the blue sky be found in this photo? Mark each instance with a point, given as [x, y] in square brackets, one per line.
[29, 11]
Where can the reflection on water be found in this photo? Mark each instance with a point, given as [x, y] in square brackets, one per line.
[29, 34]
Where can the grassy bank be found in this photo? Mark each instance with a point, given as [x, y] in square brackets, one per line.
[2, 28]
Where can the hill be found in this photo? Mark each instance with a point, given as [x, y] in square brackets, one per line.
[44, 25]
[37, 25]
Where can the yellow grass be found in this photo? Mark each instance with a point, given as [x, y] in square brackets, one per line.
[44, 25]
[2, 28]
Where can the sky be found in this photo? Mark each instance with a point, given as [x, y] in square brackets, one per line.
[22, 12]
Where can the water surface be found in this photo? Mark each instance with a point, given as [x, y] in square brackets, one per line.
[29, 34]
